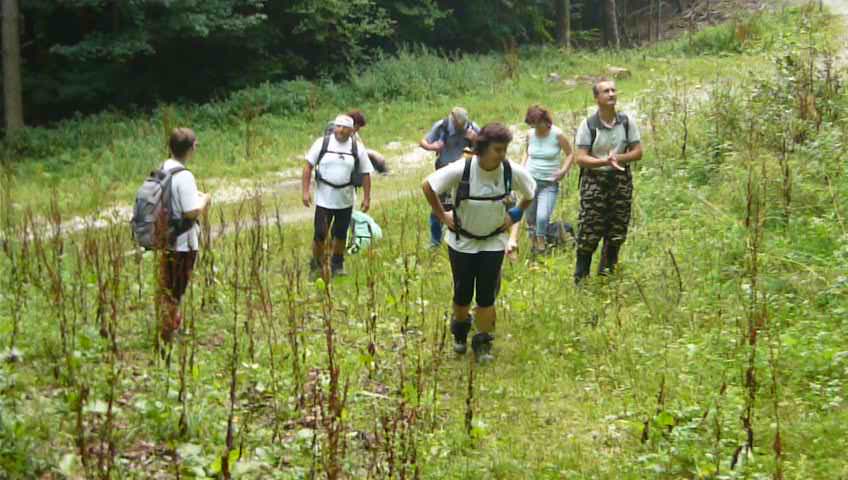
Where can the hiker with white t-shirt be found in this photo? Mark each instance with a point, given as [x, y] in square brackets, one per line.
[187, 204]
[478, 226]
[339, 163]
[378, 161]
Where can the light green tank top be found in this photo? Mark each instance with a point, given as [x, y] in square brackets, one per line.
[544, 154]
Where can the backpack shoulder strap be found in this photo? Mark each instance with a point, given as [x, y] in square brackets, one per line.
[173, 171]
[444, 130]
[325, 145]
[464, 189]
[507, 171]
[354, 150]
[624, 120]
[593, 122]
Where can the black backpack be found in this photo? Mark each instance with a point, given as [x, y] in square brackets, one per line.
[355, 176]
[463, 192]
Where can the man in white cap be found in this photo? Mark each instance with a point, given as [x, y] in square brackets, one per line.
[449, 138]
[340, 164]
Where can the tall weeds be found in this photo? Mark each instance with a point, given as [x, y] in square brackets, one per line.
[235, 291]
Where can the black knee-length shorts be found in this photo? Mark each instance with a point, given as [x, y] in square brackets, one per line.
[479, 271]
[339, 218]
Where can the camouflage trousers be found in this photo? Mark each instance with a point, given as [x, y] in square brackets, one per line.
[605, 199]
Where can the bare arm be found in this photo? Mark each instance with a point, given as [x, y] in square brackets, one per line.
[195, 214]
[512, 244]
[436, 205]
[431, 147]
[635, 154]
[305, 182]
[583, 159]
[366, 192]
[565, 145]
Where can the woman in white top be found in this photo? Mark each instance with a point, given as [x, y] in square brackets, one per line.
[479, 224]
[543, 158]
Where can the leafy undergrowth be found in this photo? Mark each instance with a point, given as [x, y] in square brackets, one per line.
[716, 351]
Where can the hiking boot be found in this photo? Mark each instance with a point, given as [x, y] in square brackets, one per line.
[337, 266]
[612, 257]
[609, 257]
[314, 269]
[584, 264]
[172, 328]
[460, 330]
[482, 346]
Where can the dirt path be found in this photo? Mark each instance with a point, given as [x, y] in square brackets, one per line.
[406, 160]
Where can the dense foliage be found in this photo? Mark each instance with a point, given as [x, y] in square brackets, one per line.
[87, 55]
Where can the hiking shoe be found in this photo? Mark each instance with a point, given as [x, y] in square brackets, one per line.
[584, 264]
[337, 266]
[314, 269]
[460, 330]
[482, 346]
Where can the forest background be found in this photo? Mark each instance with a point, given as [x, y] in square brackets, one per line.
[74, 53]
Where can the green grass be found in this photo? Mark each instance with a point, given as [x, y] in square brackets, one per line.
[579, 372]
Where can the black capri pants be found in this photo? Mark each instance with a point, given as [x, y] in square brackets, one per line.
[481, 270]
[339, 218]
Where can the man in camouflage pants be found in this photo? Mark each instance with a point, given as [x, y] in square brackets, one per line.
[606, 143]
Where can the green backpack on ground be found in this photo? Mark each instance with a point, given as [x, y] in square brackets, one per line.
[363, 231]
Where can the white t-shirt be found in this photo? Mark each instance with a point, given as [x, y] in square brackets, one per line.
[481, 217]
[336, 167]
[184, 198]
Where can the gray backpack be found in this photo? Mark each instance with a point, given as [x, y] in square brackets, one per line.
[153, 223]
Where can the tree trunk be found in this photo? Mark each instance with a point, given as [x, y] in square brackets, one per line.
[658, 11]
[613, 38]
[559, 9]
[563, 22]
[12, 93]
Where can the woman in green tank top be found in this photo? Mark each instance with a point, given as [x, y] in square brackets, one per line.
[543, 157]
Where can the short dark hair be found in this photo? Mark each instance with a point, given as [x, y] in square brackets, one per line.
[181, 141]
[598, 81]
[536, 114]
[358, 118]
[489, 134]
